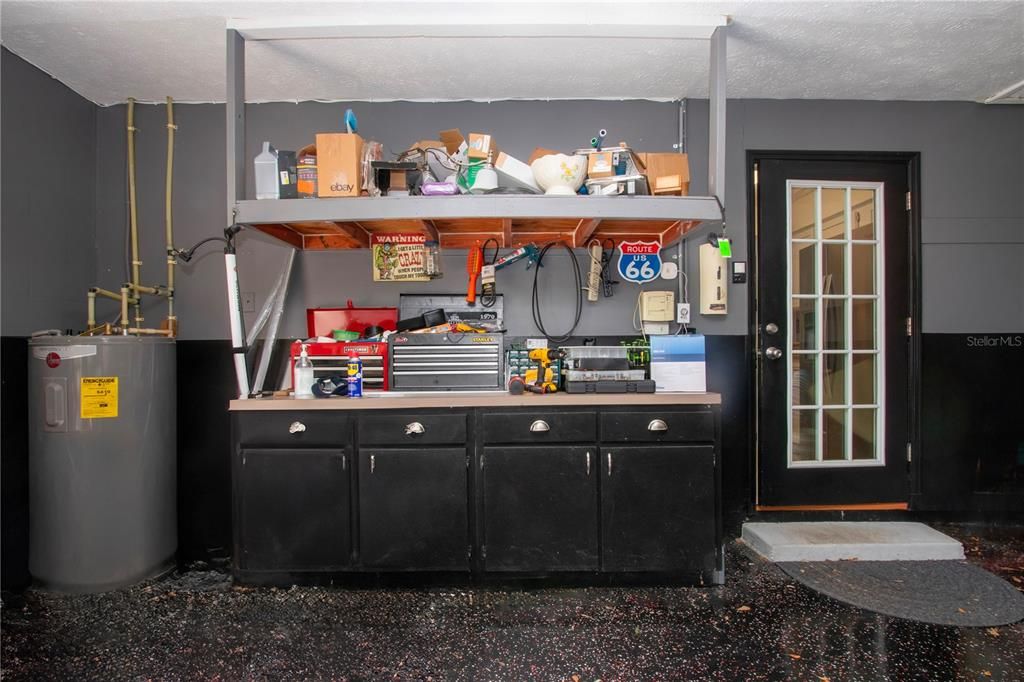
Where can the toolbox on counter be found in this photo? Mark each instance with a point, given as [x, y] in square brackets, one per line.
[447, 362]
[331, 359]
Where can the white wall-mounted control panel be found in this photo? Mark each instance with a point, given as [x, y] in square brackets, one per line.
[713, 281]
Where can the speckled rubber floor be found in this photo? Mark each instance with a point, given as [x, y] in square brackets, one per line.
[938, 592]
[762, 625]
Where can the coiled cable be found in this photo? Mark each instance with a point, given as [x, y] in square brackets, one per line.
[537, 318]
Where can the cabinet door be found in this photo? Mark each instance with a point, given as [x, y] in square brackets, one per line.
[413, 509]
[658, 508]
[293, 509]
[540, 508]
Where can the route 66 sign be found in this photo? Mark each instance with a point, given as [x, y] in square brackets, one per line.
[640, 262]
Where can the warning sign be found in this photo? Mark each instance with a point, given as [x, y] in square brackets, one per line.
[99, 397]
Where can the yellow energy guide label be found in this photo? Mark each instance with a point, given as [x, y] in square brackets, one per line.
[99, 397]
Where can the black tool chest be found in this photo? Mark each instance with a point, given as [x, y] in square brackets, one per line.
[577, 492]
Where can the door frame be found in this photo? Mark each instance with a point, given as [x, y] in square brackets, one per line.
[912, 160]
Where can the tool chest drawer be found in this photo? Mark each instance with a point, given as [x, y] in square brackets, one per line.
[539, 427]
[412, 428]
[658, 426]
[328, 429]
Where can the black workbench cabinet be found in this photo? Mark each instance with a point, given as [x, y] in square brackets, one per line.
[576, 492]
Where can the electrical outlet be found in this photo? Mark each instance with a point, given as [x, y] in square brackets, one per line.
[248, 302]
[683, 313]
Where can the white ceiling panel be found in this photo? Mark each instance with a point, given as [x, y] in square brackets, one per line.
[108, 51]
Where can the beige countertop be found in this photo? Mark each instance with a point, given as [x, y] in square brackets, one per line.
[388, 400]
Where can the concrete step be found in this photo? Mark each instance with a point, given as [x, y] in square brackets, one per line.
[850, 540]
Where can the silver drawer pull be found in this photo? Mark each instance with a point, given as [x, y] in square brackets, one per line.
[657, 425]
[414, 429]
[296, 427]
[540, 426]
[609, 464]
[373, 463]
[588, 464]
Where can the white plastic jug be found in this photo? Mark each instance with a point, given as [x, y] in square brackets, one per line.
[266, 173]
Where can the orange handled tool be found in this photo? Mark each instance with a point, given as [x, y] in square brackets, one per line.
[474, 262]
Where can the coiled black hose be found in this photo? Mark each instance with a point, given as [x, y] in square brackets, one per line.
[537, 319]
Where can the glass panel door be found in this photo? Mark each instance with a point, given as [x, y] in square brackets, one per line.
[835, 352]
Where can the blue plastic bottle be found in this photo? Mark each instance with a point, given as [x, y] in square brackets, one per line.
[355, 375]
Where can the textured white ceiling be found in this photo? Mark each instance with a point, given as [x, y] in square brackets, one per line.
[108, 51]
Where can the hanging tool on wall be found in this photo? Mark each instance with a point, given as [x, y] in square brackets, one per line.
[488, 287]
[474, 263]
[594, 275]
[529, 251]
[607, 281]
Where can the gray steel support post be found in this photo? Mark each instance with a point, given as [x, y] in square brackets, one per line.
[716, 117]
[235, 108]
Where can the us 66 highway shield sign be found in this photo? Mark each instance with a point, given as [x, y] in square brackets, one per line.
[640, 262]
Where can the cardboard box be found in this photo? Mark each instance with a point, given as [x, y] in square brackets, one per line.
[599, 165]
[665, 165]
[339, 162]
[452, 140]
[514, 173]
[539, 152]
[481, 146]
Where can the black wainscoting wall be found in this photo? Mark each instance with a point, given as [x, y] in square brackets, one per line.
[971, 460]
[13, 462]
[972, 423]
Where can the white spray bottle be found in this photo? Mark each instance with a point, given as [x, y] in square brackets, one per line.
[304, 374]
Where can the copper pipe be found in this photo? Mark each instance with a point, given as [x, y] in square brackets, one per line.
[90, 322]
[132, 206]
[124, 309]
[150, 332]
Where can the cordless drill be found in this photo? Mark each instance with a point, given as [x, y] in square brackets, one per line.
[541, 377]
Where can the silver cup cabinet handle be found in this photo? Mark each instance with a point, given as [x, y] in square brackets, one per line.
[657, 425]
[296, 427]
[414, 429]
[539, 426]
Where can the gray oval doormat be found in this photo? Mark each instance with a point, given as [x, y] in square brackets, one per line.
[939, 592]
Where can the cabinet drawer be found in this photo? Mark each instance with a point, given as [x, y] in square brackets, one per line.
[293, 429]
[411, 429]
[540, 427]
[658, 426]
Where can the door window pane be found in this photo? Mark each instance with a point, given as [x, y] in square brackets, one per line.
[862, 214]
[864, 268]
[864, 379]
[833, 371]
[834, 435]
[803, 324]
[833, 269]
[804, 217]
[833, 213]
[804, 443]
[864, 337]
[864, 434]
[805, 377]
[804, 261]
[835, 324]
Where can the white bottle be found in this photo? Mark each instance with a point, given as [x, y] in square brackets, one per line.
[266, 173]
[304, 374]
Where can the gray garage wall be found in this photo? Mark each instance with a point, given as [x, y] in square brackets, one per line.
[47, 257]
[972, 177]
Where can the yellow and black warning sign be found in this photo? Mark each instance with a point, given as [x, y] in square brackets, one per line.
[99, 397]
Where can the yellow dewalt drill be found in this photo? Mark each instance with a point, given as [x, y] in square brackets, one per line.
[542, 376]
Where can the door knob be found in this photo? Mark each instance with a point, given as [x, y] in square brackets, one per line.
[773, 353]
[771, 328]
